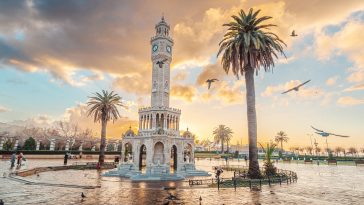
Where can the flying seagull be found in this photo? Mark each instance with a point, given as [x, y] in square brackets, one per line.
[160, 63]
[296, 88]
[293, 34]
[209, 81]
[326, 134]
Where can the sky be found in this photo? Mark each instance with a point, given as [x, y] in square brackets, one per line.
[54, 54]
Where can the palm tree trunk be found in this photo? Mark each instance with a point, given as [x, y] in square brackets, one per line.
[222, 146]
[103, 142]
[227, 146]
[254, 171]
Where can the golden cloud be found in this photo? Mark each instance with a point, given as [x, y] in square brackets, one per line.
[183, 92]
[78, 115]
[347, 100]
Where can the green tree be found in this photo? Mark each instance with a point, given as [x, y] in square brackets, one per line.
[8, 145]
[221, 135]
[269, 168]
[248, 45]
[104, 107]
[30, 144]
[280, 138]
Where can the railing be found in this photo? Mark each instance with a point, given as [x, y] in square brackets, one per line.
[239, 179]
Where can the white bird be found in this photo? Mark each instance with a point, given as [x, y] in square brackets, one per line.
[326, 134]
[296, 88]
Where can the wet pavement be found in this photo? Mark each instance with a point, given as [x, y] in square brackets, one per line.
[316, 185]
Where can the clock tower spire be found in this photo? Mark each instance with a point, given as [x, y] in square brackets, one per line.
[162, 45]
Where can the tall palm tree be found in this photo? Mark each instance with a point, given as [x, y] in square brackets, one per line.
[352, 151]
[103, 107]
[280, 138]
[246, 47]
[338, 150]
[309, 149]
[221, 135]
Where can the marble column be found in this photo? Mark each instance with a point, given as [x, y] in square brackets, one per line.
[1, 143]
[16, 144]
[93, 148]
[52, 144]
[67, 147]
[115, 147]
[38, 145]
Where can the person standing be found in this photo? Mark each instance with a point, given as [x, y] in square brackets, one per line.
[20, 159]
[12, 160]
[65, 159]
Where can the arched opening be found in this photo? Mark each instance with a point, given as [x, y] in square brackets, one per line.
[128, 152]
[157, 121]
[142, 157]
[173, 160]
[158, 157]
[187, 153]
[162, 121]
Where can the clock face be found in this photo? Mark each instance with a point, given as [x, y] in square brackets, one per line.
[155, 48]
[169, 49]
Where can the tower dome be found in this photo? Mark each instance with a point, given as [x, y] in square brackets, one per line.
[187, 134]
[129, 132]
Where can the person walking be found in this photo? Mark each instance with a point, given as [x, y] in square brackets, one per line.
[20, 159]
[12, 159]
[246, 160]
[65, 159]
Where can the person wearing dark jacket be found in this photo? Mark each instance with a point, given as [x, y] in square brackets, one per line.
[65, 159]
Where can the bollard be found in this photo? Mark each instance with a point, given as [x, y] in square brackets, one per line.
[280, 180]
[250, 184]
[235, 184]
[260, 183]
[218, 183]
[269, 180]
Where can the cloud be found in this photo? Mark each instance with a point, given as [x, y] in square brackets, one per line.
[180, 76]
[183, 92]
[68, 37]
[210, 71]
[225, 92]
[349, 101]
[356, 76]
[355, 88]
[43, 121]
[78, 115]
[4, 109]
[332, 80]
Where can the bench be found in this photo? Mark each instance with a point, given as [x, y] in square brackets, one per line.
[360, 161]
[287, 160]
[194, 182]
[331, 161]
[308, 161]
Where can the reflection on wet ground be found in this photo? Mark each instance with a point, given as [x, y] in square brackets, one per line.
[316, 185]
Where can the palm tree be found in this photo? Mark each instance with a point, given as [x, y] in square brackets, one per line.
[103, 106]
[352, 151]
[280, 138]
[309, 149]
[269, 168]
[221, 134]
[338, 150]
[246, 47]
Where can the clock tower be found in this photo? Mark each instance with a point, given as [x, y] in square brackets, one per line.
[161, 50]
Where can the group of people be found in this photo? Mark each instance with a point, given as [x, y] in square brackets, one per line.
[18, 158]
